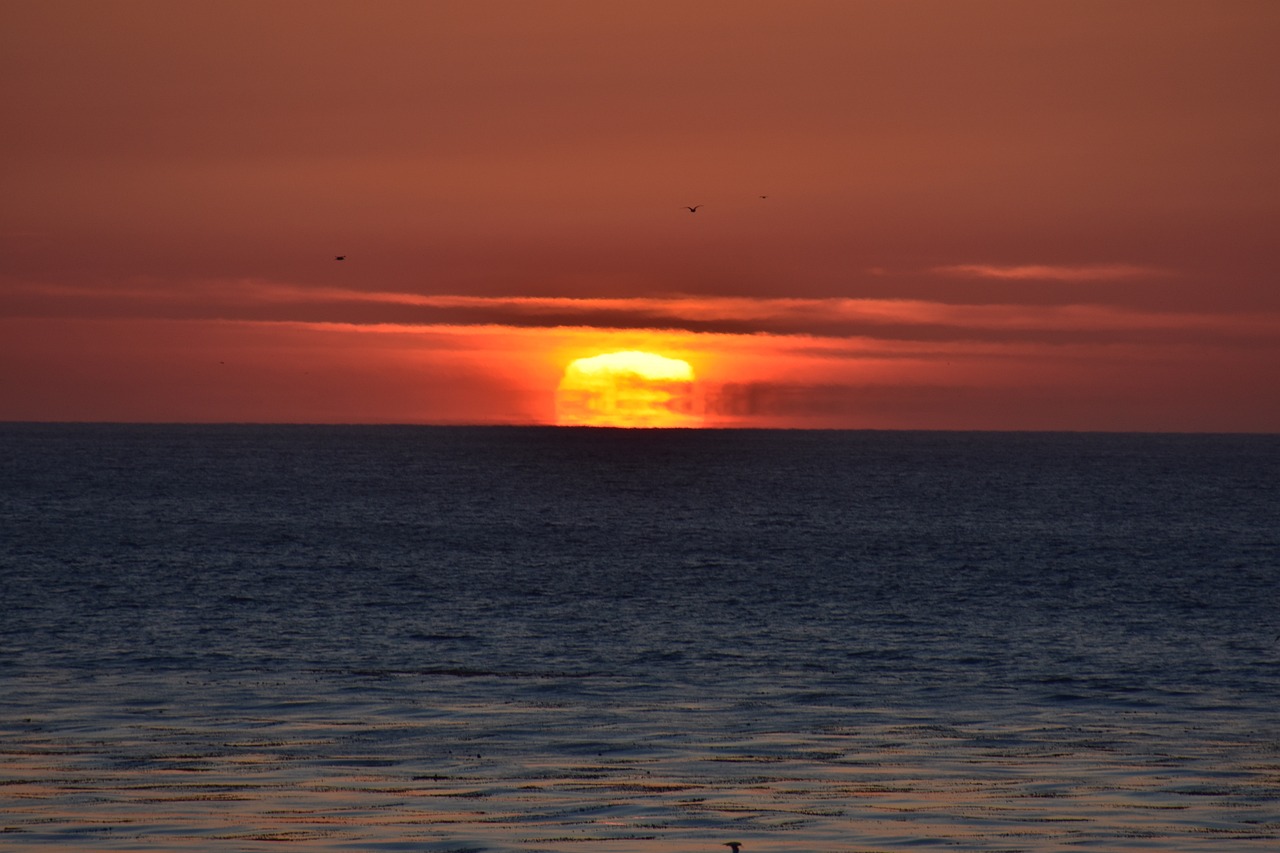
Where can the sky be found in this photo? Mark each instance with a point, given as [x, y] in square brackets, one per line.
[912, 214]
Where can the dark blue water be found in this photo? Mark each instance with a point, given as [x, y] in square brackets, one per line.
[405, 638]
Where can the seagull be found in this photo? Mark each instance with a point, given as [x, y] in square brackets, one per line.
[693, 209]
[734, 845]
[340, 258]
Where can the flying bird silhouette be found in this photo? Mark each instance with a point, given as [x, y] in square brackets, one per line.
[693, 209]
[733, 845]
[340, 258]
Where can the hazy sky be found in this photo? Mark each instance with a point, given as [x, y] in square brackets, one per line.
[998, 215]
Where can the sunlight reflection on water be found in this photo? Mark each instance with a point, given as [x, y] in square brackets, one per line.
[469, 772]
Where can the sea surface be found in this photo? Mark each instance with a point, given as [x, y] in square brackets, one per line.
[327, 638]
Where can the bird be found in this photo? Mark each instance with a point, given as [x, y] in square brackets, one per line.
[693, 209]
[764, 196]
[733, 845]
[340, 257]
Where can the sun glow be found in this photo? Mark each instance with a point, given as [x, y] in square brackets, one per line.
[627, 389]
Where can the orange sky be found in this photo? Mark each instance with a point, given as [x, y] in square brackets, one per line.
[993, 215]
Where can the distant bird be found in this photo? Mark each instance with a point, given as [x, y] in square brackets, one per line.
[734, 845]
[340, 258]
[764, 196]
[693, 209]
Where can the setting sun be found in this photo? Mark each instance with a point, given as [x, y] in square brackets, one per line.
[627, 389]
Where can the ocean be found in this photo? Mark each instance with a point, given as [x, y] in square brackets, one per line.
[349, 638]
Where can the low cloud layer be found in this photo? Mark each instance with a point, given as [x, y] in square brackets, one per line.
[914, 319]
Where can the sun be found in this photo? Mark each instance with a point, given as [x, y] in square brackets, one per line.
[627, 389]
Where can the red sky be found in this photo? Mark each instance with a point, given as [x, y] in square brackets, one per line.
[979, 215]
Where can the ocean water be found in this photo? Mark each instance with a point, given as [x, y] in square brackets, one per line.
[266, 638]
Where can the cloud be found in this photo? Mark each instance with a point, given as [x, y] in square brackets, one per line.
[1050, 272]
[904, 319]
[837, 317]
